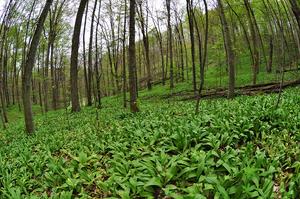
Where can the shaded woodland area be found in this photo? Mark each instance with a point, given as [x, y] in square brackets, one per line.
[104, 58]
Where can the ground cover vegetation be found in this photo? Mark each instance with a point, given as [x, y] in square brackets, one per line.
[149, 99]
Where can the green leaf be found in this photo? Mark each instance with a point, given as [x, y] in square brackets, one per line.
[223, 192]
[212, 180]
[155, 181]
[124, 194]
[208, 187]
[171, 172]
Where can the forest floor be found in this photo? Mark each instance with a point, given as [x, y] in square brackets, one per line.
[216, 81]
[249, 90]
[242, 148]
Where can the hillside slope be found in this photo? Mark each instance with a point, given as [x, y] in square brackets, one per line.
[241, 148]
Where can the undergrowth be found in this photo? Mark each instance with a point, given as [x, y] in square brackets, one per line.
[242, 148]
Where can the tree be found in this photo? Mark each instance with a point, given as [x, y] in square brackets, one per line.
[27, 76]
[55, 18]
[254, 36]
[132, 59]
[98, 61]
[90, 58]
[229, 49]
[170, 39]
[296, 10]
[203, 56]
[159, 38]
[74, 57]
[144, 29]
[3, 31]
[124, 56]
[180, 36]
[189, 6]
[86, 83]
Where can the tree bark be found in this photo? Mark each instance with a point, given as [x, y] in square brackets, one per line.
[90, 58]
[254, 36]
[202, 56]
[229, 50]
[192, 39]
[168, 3]
[27, 76]
[98, 87]
[132, 59]
[86, 83]
[74, 57]
[296, 10]
[146, 45]
[124, 57]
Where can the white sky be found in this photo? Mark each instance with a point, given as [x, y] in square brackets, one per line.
[2, 3]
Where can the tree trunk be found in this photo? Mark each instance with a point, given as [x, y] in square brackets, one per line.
[46, 72]
[202, 56]
[146, 46]
[132, 59]
[27, 76]
[98, 88]
[192, 39]
[254, 41]
[74, 57]
[90, 58]
[296, 10]
[39, 81]
[168, 2]
[124, 58]
[86, 83]
[271, 47]
[229, 50]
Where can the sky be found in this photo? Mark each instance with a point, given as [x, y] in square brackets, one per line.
[2, 3]
[159, 4]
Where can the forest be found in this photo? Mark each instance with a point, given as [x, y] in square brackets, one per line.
[162, 99]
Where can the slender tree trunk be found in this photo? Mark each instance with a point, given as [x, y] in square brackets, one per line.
[4, 27]
[296, 10]
[46, 74]
[146, 46]
[168, 2]
[132, 59]
[86, 83]
[98, 88]
[229, 50]
[181, 53]
[192, 39]
[74, 57]
[5, 75]
[160, 42]
[124, 57]
[254, 36]
[244, 31]
[271, 48]
[202, 57]
[15, 67]
[53, 72]
[39, 81]
[27, 76]
[90, 58]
